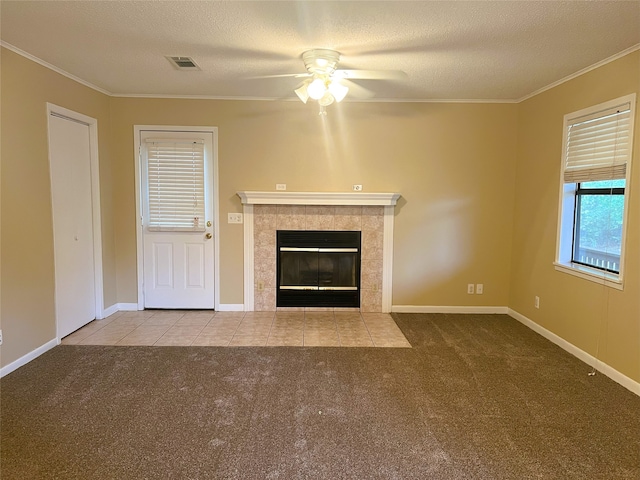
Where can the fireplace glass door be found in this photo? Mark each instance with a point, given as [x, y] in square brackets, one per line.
[318, 269]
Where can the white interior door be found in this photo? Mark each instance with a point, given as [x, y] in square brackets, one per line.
[177, 219]
[70, 163]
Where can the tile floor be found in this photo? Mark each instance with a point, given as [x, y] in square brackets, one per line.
[240, 329]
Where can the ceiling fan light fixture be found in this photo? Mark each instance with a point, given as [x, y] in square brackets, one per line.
[321, 61]
[326, 100]
[321, 84]
[317, 88]
[338, 90]
[302, 92]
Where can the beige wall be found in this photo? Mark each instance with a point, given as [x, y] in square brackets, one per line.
[479, 185]
[597, 319]
[27, 310]
[452, 163]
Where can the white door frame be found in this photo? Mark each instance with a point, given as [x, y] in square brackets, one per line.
[216, 211]
[92, 123]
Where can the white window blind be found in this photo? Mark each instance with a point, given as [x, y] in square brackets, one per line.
[598, 145]
[176, 184]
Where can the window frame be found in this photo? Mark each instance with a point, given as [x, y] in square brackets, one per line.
[568, 199]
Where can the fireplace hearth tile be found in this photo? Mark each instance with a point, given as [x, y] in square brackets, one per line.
[371, 275]
[348, 222]
[355, 341]
[265, 300]
[291, 217]
[370, 300]
[257, 329]
[265, 217]
[265, 271]
[318, 317]
[320, 218]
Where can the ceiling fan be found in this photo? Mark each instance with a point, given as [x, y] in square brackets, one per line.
[326, 84]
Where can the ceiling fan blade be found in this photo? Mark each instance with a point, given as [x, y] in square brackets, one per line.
[355, 90]
[371, 74]
[284, 75]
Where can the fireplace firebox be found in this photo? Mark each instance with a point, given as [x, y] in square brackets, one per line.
[318, 268]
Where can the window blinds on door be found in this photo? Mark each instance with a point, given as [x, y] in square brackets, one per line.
[175, 177]
[598, 145]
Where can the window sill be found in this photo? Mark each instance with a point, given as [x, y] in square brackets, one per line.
[593, 275]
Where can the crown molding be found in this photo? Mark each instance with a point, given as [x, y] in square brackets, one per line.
[581, 72]
[39, 61]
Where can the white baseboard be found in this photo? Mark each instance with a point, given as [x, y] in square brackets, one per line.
[127, 307]
[446, 309]
[109, 311]
[230, 307]
[28, 357]
[587, 358]
[117, 307]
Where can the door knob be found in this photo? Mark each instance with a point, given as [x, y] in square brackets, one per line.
[208, 235]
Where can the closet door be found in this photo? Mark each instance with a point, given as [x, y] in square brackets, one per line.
[70, 163]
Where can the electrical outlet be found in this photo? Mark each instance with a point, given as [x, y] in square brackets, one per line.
[470, 288]
[281, 186]
[357, 188]
[0, 337]
[234, 218]
[479, 289]
[536, 302]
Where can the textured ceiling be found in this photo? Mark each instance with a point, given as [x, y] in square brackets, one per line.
[449, 50]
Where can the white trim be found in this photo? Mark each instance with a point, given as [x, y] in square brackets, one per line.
[39, 61]
[128, 307]
[387, 258]
[230, 307]
[591, 274]
[249, 274]
[216, 202]
[110, 311]
[295, 99]
[96, 211]
[7, 369]
[587, 358]
[317, 198]
[447, 309]
[596, 65]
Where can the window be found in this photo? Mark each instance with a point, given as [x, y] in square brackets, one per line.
[596, 160]
[175, 182]
[597, 237]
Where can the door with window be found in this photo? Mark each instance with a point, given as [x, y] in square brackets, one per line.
[177, 219]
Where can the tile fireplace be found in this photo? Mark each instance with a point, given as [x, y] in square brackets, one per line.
[369, 214]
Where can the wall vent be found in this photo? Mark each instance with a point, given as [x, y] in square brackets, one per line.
[183, 63]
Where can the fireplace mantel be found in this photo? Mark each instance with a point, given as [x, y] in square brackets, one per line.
[318, 198]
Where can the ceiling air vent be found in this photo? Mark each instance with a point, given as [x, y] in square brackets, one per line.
[183, 63]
